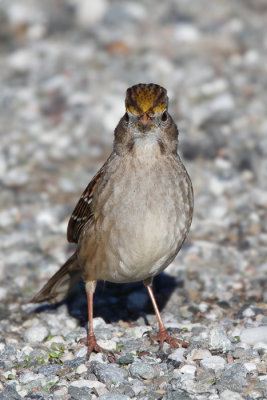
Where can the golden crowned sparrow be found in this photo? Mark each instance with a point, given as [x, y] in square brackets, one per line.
[134, 215]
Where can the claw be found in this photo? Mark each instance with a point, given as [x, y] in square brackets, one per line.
[92, 346]
[163, 336]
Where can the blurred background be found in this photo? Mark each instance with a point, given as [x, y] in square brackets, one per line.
[64, 70]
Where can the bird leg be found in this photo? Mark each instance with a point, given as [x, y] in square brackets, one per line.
[91, 342]
[162, 335]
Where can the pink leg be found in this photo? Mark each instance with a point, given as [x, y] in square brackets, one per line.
[162, 335]
[91, 340]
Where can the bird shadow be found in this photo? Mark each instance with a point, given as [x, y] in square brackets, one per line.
[127, 302]
[114, 302]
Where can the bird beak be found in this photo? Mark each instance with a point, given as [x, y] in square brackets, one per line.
[145, 122]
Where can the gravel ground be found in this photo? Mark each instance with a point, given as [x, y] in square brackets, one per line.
[64, 69]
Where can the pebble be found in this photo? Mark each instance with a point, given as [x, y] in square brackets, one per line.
[139, 331]
[188, 369]
[87, 383]
[35, 334]
[200, 354]
[177, 355]
[142, 370]
[109, 373]
[215, 363]
[29, 377]
[233, 378]
[254, 335]
[79, 393]
[15, 178]
[228, 394]
[89, 13]
[250, 366]
[260, 345]
[81, 369]
[9, 393]
[81, 353]
[60, 393]
[218, 340]
[111, 396]
[248, 312]
[109, 345]
[126, 359]
[186, 33]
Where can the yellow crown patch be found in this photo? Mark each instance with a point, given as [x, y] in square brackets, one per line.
[146, 98]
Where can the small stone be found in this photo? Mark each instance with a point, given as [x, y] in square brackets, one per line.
[3, 293]
[127, 359]
[15, 177]
[254, 335]
[80, 393]
[138, 331]
[241, 354]
[109, 345]
[188, 369]
[178, 355]
[233, 378]
[35, 334]
[60, 393]
[214, 363]
[248, 312]
[86, 383]
[200, 354]
[250, 366]
[55, 339]
[260, 345]
[81, 353]
[29, 377]
[179, 395]
[98, 357]
[262, 369]
[47, 370]
[186, 33]
[128, 391]
[113, 396]
[143, 370]
[75, 362]
[99, 322]
[81, 369]
[89, 12]
[67, 356]
[10, 393]
[8, 217]
[229, 395]
[109, 373]
[45, 218]
[21, 61]
[89, 384]
[218, 340]
[260, 197]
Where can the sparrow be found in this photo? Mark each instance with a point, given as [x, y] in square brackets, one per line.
[133, 217]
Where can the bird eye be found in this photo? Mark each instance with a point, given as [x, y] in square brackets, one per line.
[126, 117]
[164, 116]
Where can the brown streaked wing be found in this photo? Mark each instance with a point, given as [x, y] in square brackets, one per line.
[83, 212]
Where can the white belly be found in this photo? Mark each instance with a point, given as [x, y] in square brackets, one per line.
[148, 231]
[151, 247]
[144, 220]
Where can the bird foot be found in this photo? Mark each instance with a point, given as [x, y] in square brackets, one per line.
[92, 346]
[163, 336]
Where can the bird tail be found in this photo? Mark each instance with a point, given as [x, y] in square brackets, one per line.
[58, 287]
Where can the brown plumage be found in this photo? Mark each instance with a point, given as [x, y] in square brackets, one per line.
[134, 215]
